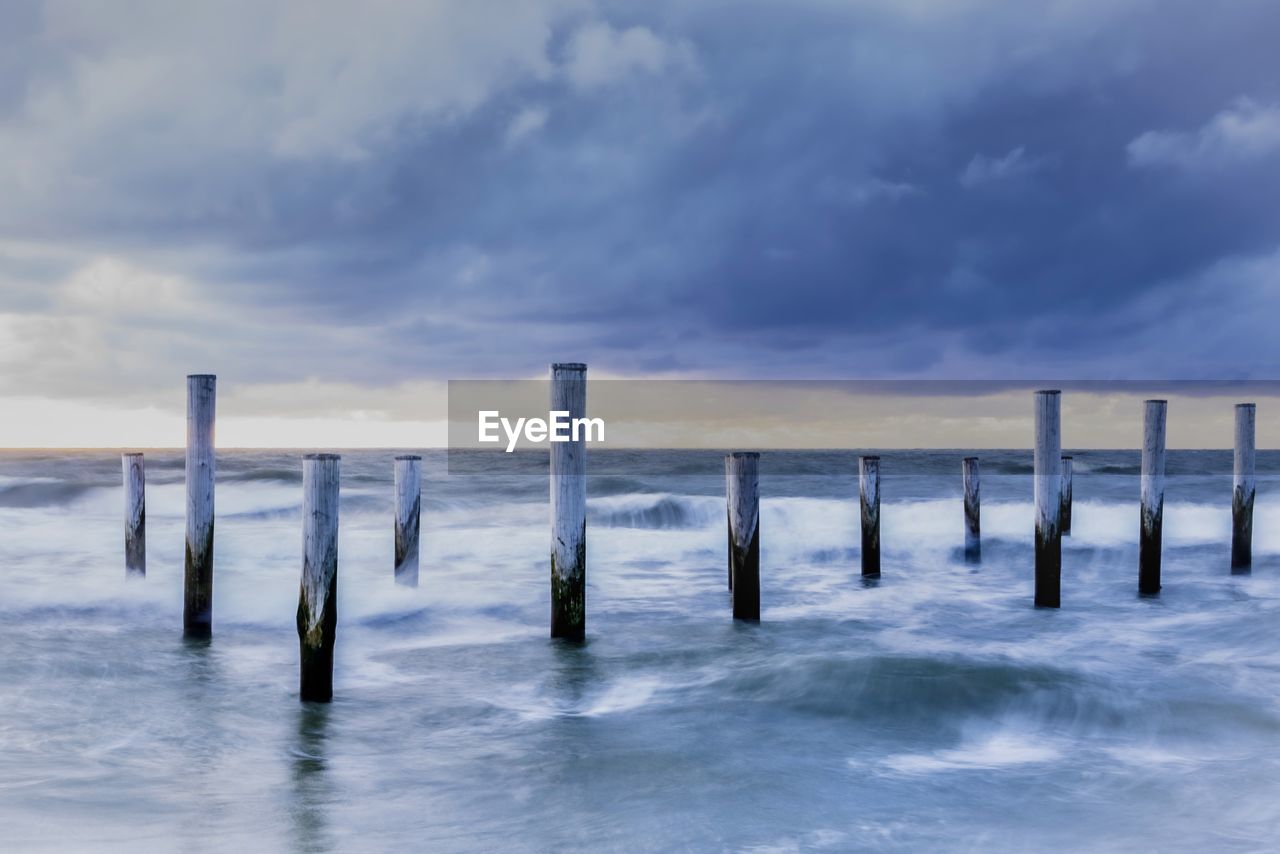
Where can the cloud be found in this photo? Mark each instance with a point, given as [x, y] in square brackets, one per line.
[867, 191]
[982, 169]
[1244, 131]
[528, 121]
[283, 192]
[599, 55]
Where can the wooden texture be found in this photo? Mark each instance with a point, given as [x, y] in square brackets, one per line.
[569, 508]
[1243, 487]
[972, 510]
[197, 610]
[408, 486]
[1152, 495]
[742, 497]
[1048, 498]
[869, 500]
[1067, 489]
[135, 515]
[317, 594]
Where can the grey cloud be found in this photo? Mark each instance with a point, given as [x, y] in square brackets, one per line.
[597, 55]
[1244, 131]
[432, 190]
[983, 169]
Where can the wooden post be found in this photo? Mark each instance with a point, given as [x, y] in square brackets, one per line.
[869, 495]
[1048, 498]
[197, 609]
[408, 476]
[1242, 488]
[317, 595]
[135, 515]
[742, 497]
[1152, 494]
[972, 511]
[1065, 513]
[569, 508]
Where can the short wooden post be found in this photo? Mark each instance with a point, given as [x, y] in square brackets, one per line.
[317, 596]
[408, 477]
[742, 497]
[197, 610]
[1242, 488]
[1152, 494]
[135, 515]
[972, 511]
[1048, 498]
[869, 498]
[569, 508]
[1066, 495]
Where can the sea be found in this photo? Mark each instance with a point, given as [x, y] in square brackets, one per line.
[933, 709]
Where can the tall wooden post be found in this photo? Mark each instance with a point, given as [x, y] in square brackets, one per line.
[1066, 495]
[1152, 494]
[1048, 498]
[135, 515]
[408, 477]
[1242, 488]
[869, 499]
[742, 497]
[318, 592]
[197, 610]
[972, 511]
[569, 508]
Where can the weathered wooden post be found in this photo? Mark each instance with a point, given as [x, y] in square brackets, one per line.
[569, 508]
[197, 609]
[1152, 494]
[318, 592]
[869, 498]
[742, 497]
[135, 515]
[408, 476]
[1242, 488]
[1048, 498]
[972, 511]
[1065, 513]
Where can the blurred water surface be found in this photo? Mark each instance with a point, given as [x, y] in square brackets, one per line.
[933, 710]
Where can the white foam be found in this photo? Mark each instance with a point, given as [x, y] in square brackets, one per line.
[623, 696]
[1001, 750]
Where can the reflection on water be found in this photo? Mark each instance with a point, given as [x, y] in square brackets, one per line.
[572, 674]
[312, 789]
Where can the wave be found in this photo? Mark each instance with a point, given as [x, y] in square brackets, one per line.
[1110, 469]
[280, 475]
[42, 493]
[902, 688]
[657, 512]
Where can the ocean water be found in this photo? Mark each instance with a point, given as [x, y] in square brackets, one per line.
[933, 710]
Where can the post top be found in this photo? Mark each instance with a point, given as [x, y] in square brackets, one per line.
[871, 458]
[202, 376]
[322, 456]
[408, 457]
[1067, 457]
[1049, 391]
[569, 366]
[744, 455]
[1246, 406]
[132, 454]
[1154, 400]
[970, 459]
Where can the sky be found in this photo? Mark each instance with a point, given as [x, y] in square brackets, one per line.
[337, 207]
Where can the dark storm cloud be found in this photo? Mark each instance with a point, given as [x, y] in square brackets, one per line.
[801, 189]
